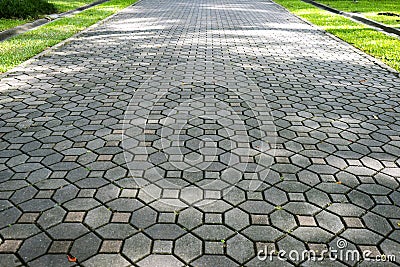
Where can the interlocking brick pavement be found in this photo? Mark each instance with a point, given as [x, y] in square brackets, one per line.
[197, 133]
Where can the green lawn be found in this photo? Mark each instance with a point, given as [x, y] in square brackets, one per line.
[6, 24]
[18, 49]
[375, 43]
[369, 8]
[66, 5]
[61, 5]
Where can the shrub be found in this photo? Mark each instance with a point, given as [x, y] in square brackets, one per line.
[24, 9]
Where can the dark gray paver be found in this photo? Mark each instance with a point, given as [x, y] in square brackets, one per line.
[195, 133]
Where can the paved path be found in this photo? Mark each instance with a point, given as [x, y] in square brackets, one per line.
[198, 132]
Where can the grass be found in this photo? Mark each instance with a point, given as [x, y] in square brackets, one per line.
[60, 5]
[375, 43]
[66, 5]
[6, 24]
[18, 49]
[369, 8]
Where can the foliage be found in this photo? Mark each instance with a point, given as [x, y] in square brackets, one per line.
[24, 9]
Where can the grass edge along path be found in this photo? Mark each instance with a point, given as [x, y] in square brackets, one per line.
[369, 8]
[61, 6]
[20, 48]
[372, 42]
[6, 24]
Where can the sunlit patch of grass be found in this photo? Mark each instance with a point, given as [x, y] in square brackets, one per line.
[60, 5]
[66, 5]
[377, 44]
[369, 8]
[18, 49]
[6, 24]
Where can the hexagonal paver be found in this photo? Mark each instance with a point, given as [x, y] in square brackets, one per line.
[136, 247]
[240, 248]
[213, 232]
[103, 260]
[237, 219]
[262, 233]
[188, 247]
[34, 246]
[85, 246]
[214, 260]
[160, 261]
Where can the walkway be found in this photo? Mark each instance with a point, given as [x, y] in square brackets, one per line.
[199, 133]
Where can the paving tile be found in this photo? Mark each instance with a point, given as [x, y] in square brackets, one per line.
[283, 220]
[312, 234]
[128, 193]
[362, 236]
[81, 204]
[19, 231]
[318, 248]
[188, 247]
[237, 219]
[10, 246]
[214, 260]
[329, 221]
[353, 222]
[9, 260]
[301, 208]
[28, 217]
[67, 231]
[51, 217]
[290, 243]
[143, 217]
[240, 248]
[107, 193]
[190, 218]
[306, 220]
[260, 219]
[65, 193]
[74, 217]
[137, 247]
[103, 260]
[166, 217]
[98, 217]
[213, 232]
[162, 247]
[37, 205]
[389, 247]
[116, 231]
[125, 205]
[160, 261]
[85, 247]
[370, 251]
[346, 209]
[51, 260]
[121, 217]
[34, 246]
[60, 247]
[262, 233]
[165, 231]
[216, 247]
